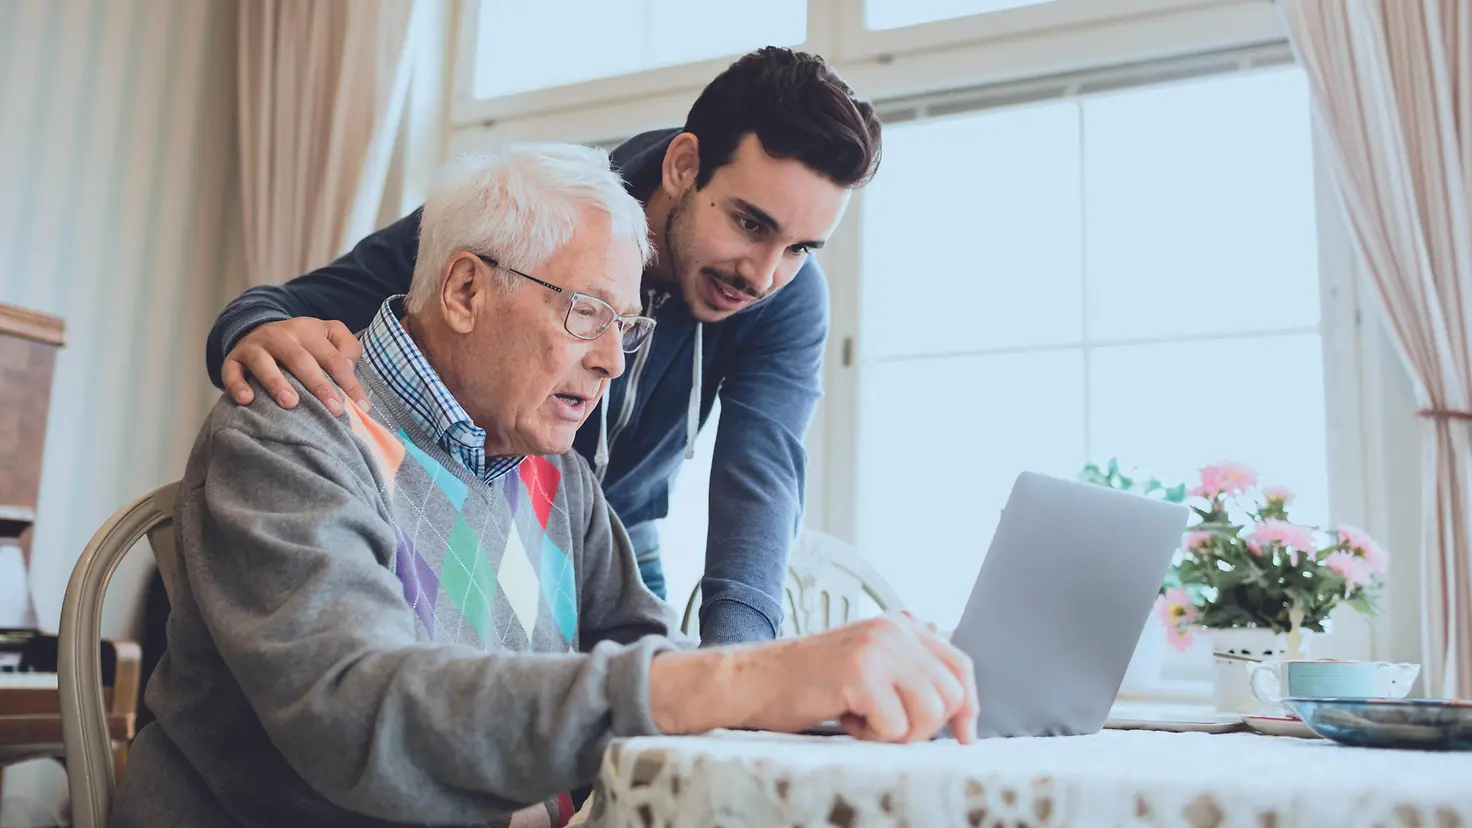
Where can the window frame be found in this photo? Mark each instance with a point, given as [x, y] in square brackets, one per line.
[973, 50]
[684, 80]
[854, 41]
[842, 258]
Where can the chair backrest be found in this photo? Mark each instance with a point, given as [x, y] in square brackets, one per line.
[89, 765]
[828, 584]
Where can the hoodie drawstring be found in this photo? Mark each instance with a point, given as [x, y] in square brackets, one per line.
[692, 418]
[600, 457]
[692, 414]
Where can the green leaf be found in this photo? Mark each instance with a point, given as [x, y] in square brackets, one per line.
[1113, 466]
[1176, 494]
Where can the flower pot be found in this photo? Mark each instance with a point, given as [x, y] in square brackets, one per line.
[1231, 691]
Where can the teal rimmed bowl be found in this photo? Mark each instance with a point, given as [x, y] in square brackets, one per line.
[1415, 724]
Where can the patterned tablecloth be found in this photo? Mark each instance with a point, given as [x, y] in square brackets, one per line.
[1112, 778]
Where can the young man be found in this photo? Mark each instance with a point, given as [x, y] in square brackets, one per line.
[738, 200]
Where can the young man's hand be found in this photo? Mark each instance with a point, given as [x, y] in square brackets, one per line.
[888, 679]
[311, 349]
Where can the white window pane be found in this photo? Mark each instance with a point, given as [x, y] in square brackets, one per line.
[681, 31]
[1200, 207]
[942, 440]
[1170, 409]
[526, 46]
[972, 234]
[892, 14]
[534, 45]
[682, 533]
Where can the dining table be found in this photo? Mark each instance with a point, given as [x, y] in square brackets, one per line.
[1113, 777]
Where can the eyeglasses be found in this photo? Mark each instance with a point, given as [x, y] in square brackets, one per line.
[588, 316]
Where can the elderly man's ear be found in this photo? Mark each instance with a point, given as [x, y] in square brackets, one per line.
[463, 292]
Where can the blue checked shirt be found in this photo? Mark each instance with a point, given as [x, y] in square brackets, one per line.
[391, 350]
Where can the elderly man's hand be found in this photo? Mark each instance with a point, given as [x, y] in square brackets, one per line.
[311, 349]
[889, 679]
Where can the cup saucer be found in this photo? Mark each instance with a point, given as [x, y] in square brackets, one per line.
[1280, 726]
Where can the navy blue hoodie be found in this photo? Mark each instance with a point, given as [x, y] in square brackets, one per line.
[765, 363]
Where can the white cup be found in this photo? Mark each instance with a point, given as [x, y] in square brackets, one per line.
[1273, 681]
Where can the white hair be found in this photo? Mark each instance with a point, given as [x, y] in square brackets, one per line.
[517, 205]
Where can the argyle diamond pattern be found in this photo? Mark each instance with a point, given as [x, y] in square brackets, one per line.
[481, 564]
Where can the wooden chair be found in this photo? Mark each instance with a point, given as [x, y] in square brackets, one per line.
[94, 761]
[828, 585]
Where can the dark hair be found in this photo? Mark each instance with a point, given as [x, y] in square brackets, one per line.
[797, 106]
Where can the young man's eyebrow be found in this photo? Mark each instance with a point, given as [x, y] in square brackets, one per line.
[765, 219]
[757, 214]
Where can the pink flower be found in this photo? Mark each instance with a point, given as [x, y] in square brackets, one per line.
[1226, 478]
[1292, 537]
[1278, 494]
[1356, 570]
[1376, 557]
[1177, 616]
[1355, 540]
[1353, 536]
[1196, 539]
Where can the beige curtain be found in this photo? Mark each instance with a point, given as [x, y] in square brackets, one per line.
[322, 90]
[1392, 86]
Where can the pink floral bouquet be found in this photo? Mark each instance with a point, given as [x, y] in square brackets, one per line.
[1243, 563]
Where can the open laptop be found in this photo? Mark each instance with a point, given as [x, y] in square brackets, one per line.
[1058, 606]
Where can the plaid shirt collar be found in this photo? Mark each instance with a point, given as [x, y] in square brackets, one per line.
[389, 348]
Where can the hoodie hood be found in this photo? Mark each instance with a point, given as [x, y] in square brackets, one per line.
[639, 161]
[654, 300]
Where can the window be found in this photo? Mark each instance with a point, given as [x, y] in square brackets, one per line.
[892, 14]
[682, 533]
[525, 46]
[903, 30]
[1128, 274]
[583, 70]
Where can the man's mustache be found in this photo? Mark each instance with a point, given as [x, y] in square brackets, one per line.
[732, 281]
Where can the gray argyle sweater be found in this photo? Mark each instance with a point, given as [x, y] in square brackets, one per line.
[364, 633]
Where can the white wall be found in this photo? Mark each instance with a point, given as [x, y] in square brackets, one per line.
[119, 212]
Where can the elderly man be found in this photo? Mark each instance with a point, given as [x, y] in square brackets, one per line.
[427, 613]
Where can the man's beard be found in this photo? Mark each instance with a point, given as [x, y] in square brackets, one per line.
[674, 224]
[676, 233]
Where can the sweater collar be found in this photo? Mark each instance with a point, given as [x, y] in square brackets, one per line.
[388, 347]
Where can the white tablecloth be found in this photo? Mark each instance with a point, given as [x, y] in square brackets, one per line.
[1110, 778]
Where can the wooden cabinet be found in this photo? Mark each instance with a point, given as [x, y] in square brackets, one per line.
[28, 346]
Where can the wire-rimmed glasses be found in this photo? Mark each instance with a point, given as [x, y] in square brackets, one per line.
[588, 316]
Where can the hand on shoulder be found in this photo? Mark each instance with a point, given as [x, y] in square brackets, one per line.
[318, 353]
